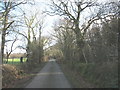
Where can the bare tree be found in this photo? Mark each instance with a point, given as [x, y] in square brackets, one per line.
[11, 49]
[6, 23]
[73, 10]
[33, 29]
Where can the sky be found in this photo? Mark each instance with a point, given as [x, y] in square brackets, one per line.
[39, 6]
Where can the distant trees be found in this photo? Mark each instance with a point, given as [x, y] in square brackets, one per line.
[65, 38]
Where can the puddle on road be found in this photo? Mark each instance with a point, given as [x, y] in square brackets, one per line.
[48, 73]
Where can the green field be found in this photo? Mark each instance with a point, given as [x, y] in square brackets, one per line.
[14, 61]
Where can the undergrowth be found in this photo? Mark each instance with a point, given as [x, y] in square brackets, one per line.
[102, 75]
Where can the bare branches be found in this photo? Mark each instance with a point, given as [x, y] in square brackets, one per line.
[88, 25]
[84, 29]
[11, 48]
[20, 34]
[60, 9]
[22, 2]
[9, 24]
[21, 47]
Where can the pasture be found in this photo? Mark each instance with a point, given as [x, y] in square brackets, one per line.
[14, 61]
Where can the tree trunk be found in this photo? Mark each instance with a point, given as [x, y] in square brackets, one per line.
[12, 60]
[5, 21]
[80, 44]
[7, 59]
[86, 61]
[3, 44]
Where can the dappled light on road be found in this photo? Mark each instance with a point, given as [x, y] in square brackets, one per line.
[52, 60]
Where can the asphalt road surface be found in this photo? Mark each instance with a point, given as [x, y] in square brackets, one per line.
[50, 76]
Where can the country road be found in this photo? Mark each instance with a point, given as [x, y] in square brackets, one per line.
[50, 76]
